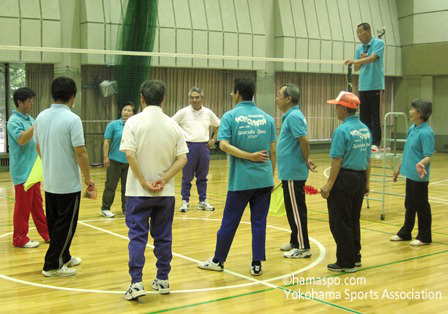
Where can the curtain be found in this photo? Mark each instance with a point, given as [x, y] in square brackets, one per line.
[39, 78]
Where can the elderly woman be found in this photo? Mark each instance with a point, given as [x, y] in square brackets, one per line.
[115, 161]
[415, 165]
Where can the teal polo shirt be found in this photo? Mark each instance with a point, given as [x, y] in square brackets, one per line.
[249, 129]
[290, 161]
[114, 132]
[352, 142]
[21, 157]
[419, 144]
[371, 75]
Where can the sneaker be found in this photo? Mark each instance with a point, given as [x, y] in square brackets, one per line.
[298, 253]
[75, 261]
[205, 206]
[107, 214]
[209, 265]
[64, 271]
[375, 149]
[396, 238]
[184, 207]
[162, 286]
[418, 243]
[358, 260]
[135, 291]
[336, 267]
[286, 247]
[256, 270]
[30, 244]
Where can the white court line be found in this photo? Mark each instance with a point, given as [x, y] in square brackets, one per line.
[252, 280]
[437, 182]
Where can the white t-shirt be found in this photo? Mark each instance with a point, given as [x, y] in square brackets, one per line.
[196, 123]
[156, 140]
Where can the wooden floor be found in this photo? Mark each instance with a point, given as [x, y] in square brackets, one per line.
[388, 268]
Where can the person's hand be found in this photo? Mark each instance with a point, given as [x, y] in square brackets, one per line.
[348, 61]
[325, 191]
[261, 156]
[395, 176]
[363, 55]
[311, 166]
[106, 163]
[154, 186]
[210, 143]
[420, 170]
[90, 184]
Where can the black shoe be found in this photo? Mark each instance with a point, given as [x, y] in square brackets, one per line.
[256, 270]
[336, 267]
[358, 260]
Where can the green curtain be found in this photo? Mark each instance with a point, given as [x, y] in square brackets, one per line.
[137, 33]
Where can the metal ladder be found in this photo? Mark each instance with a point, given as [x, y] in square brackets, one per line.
[392, 157]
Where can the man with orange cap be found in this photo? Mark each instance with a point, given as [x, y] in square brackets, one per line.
[348, 182]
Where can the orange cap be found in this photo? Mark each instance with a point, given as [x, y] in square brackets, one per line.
[345, 99]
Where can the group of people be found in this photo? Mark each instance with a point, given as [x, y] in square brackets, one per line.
[156, 147]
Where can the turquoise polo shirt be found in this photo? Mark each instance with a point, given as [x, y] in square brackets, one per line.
[419, 144]
[114, 132]
[371, 75]
[249, 129]
[58, 130]
[352, 142]
[290, 161]
[21, 157]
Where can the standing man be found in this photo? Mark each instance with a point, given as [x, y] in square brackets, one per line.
[196, 120]
[293, 152]
[115, 161]
[156, 151]
[59, 141]
[347, 183]
[22, 156]
[370, 60]
[248, 135]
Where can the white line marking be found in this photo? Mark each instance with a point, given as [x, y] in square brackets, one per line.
[438, 182]
[253, 281]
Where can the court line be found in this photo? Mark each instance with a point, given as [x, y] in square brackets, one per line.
[437, 182]
[291, 285]
[252, 280]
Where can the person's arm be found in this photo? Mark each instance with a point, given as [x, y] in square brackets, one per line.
[38, 150]
[305, 148]
[106, 147]
[212, 140]
[26, 136]
[83, 161]
[396, 172]
[255, 157]
[335, 168]
[273, 156]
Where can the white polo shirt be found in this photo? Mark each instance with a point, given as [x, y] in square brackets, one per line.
[156, 140]
[196, 123]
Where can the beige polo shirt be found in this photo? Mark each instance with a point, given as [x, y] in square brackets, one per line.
[156, 140]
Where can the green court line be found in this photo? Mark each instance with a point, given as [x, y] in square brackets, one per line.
[291, 285]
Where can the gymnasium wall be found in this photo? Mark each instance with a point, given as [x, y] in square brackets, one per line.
[423, 25]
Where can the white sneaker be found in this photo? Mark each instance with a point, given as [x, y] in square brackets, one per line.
[162, 286]
[286, 247]
[135, 291]
[205, 206]
[107, 214]
[184, 207]
[209, 265]
[75, 261]
[374, 149]
[30, 244]
[396, 238]
[298, 253]
[64, 271]
[418, 243]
